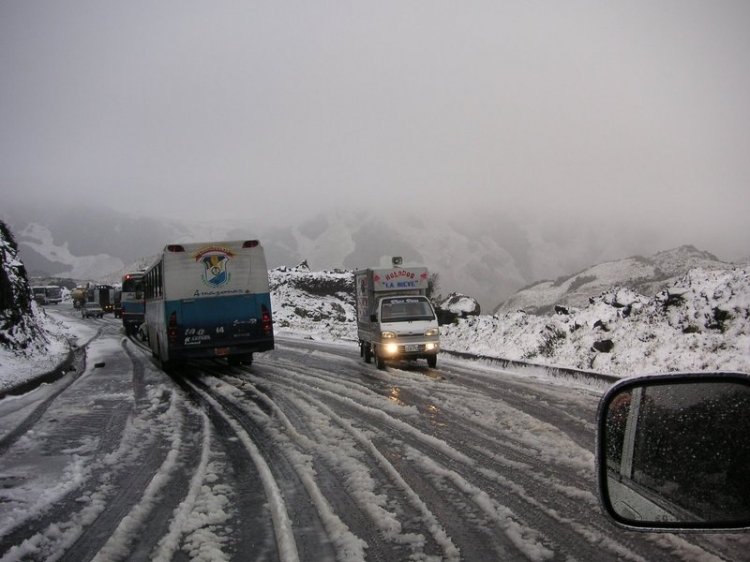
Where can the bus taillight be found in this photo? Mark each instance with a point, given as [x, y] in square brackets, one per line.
[172, 327]
[266, 322]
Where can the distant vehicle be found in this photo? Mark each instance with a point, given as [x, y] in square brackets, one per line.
[104, 295]
[79, 296]
[132, 303]
[395, 319]
[91, 310]
[47, 294]
[209, 299]
[40, 295]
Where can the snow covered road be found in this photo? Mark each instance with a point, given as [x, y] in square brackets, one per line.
[309, 454]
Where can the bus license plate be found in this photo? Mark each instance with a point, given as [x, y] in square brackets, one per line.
[411, 348]
[221, 351]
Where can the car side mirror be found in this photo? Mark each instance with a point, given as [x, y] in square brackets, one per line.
[373, 317]
[673, 452]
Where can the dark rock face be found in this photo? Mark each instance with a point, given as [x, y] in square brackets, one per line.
[15, 294]
[456, 306]
[604, 346]
[17, 325]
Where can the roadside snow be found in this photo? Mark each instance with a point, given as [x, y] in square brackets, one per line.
[702, 323]
[43, 355]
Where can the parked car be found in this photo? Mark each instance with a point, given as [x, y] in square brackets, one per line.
[92, 310]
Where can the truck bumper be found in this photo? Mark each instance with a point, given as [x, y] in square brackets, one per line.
[407, 350]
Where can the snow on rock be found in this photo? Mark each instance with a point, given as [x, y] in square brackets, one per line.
[319, 304]
[456, 306]
[31, 343]
[460, 305]
[702, 322]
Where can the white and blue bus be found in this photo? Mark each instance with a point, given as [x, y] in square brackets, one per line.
[47, 294]
[132, 305]
[207, 300]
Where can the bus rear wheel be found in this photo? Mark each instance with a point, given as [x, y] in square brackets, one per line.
[367, 352]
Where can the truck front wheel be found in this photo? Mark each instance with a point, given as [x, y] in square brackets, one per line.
[379, 362]
[432, 361]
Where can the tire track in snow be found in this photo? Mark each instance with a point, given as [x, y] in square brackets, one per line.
[363, 483]
[386, 424]
[105, 489]
[284, 530]
[569, 535]
[295, 448]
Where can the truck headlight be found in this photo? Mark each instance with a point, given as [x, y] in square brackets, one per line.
[430, 346]
[432, 332]
[391, 348]
[388, 335]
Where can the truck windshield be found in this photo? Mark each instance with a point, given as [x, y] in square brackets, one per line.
[405, 310]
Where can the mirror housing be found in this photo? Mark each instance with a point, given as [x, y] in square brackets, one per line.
[673, 452]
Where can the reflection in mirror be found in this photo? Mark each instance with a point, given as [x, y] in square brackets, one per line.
[678, 454]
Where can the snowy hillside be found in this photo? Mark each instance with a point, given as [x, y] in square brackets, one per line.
[646, 276]
[488, 257]
[319, 304]
[39, 239]
[702, 322]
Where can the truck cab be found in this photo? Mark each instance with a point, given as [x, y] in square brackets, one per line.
[406, 329]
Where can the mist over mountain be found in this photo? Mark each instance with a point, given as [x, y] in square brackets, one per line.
[488, 257]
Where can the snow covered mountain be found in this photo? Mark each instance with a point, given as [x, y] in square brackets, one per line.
[644, 275]
[489, 257]
[701, 321]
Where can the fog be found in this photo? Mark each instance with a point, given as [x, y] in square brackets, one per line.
[634, 113]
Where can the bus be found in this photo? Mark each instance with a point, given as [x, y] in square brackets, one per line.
[47, 294]
[132, 305]
[209, 299]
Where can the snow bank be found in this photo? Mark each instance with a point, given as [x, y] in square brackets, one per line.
[701, 323]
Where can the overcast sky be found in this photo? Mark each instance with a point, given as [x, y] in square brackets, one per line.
[214, 109]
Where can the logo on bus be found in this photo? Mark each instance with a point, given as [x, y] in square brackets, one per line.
[215, 265]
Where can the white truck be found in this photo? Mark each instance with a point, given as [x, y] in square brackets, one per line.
[395, 319]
